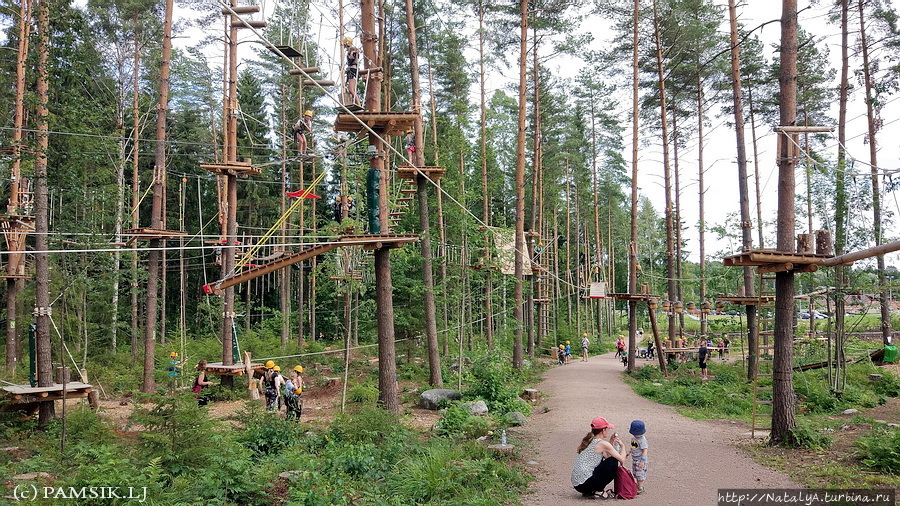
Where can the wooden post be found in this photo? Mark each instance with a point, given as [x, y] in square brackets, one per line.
[93, 395]
[251, 381]
[804, 243]
[824, 245]
[659, 349]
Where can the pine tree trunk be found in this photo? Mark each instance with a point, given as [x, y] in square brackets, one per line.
[633, 247]
[135, 188]
[418, 160]
[16, 236]
[387, 357]
[746, 224]
[156, 219]
[700, 169]
[518, 298]
[670, 233]
[46, 410]
[840, 204]
[876, 191]
[784, 401]
[485, 212]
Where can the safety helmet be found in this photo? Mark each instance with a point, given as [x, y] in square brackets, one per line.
[567, 342]
[270, 364]
[308, 113]
[298, 368]
[409, 130]
[298, 390]
[584, 335]
[347, 41]
[173, 354]
[276, 369]
[562, 347]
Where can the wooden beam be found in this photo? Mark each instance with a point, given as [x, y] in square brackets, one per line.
[859, 255]
[782, 267]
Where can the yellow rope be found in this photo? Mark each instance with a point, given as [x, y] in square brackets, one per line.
[252, 251]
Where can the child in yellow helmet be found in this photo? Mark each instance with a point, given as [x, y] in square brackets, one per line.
[292, 393]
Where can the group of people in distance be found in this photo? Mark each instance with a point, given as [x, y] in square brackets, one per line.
[276, 388]
[279, 390]
[600, 455]
[564, 353]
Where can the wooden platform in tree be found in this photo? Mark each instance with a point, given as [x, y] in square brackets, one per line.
[27, 394]
[144, 234]
[5, 275]
[231, 168]
[25, 221]
[371, 242]
[746, 301]
[776, 261]
[410, 173]
[383, 123]
[636, 297]
[238, 369]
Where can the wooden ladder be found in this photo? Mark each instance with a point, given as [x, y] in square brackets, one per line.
[761, 415]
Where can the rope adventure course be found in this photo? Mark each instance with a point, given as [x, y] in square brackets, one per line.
[349, 245]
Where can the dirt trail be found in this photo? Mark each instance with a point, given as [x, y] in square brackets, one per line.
[689, 460]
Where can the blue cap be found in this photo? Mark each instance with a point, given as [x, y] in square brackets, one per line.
[637, 428]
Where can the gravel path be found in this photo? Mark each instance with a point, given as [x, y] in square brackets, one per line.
[689, 459]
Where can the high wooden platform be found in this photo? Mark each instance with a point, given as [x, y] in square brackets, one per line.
[411, 173]
[372, 242]
[145, 234]
[231, 168]
[238, 369]
[636, 297]
[27, 394]
[776, 261]
[746, 301]
[383, 123]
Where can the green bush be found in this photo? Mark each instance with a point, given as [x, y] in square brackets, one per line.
[880, 449]
[493, 380]
[810, 437]
[458, 423]
[264, 432]
[363, 394]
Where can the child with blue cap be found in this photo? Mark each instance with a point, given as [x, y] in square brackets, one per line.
[639, 449]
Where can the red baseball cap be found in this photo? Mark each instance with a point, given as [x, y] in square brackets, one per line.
[601, 423]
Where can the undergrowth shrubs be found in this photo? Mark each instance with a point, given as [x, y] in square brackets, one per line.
[810, 437]
[265, 433]
[493, 380]
[458, 423]
[879, 449]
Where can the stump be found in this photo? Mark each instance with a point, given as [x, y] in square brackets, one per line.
[501, 449]
[333, 382]
[875, 377]
[531, 394]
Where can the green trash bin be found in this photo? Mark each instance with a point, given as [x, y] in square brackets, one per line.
[890, 353]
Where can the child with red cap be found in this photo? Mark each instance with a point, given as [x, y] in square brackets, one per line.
[595, 466]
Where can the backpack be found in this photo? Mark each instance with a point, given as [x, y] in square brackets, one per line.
[624, 484]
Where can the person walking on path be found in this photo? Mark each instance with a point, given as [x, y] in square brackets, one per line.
[270, 389]
[568, 351]
[703, 355]
[585, 342]
[595, 466]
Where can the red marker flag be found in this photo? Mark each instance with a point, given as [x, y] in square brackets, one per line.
[302, 194]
